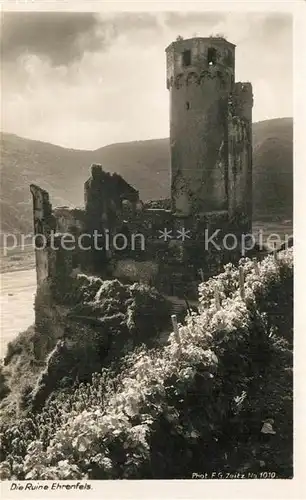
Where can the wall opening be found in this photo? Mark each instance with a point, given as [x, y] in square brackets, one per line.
[186, 57]
[229, 58]
[211, 56]
[187, 105]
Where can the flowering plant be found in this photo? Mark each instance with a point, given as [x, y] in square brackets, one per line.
[195, 396]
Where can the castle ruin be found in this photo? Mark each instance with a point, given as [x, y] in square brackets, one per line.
[211, 188]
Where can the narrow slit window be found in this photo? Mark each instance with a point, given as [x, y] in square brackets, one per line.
[212, 56]
[187, 58]
[187, 105]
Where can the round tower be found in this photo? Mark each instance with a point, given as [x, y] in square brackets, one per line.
[200, 77]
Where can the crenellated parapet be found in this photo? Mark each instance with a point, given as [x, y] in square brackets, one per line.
[199, 53]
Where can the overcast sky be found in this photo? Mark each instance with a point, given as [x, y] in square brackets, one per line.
[86, 80]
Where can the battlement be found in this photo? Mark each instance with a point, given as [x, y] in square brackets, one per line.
[196, 59]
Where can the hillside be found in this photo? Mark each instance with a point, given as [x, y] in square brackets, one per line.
[273, 168]
[144, 164]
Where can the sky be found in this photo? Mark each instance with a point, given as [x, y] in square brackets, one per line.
[83, 80]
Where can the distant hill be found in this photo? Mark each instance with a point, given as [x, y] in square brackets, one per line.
[144, 164]
[273, 168]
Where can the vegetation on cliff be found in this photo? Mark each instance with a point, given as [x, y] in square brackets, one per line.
[217, 397]
[81, 326]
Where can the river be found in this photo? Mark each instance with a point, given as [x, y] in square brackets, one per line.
[16, 304]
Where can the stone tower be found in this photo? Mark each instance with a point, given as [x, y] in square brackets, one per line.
[201, 81]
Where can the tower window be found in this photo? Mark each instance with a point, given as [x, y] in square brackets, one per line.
[211, 56]
[186, 56]
[187, 105]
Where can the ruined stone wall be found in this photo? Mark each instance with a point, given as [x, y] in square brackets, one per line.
[107, 200]
[240, 154]
[71, 222]
[199, 90]
[51, 228]
[55, 261]
[44, 223]
[69, 219]
[104, 195]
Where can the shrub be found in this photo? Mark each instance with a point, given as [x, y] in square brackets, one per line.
[22, 344]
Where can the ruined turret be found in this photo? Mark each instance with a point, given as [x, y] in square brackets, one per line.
[204, 100]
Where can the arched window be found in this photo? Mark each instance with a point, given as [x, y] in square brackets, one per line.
[211, 56]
